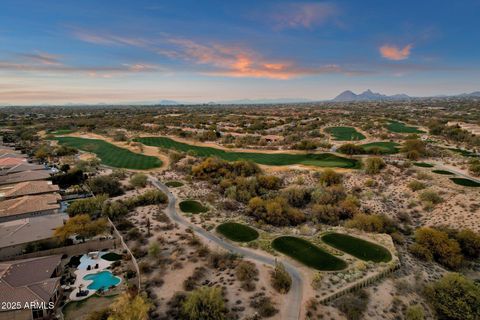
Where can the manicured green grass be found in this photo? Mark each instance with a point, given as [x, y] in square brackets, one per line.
[464, 153]
[112, 155]
[277, 159]
[356, 247]
[465, 182]
[345, 133]
[173, 184]
[111, 256]
[400, 127]
[423, 164]
[237, 232]
[385, 147]
[443, 172]
[308, 253]
[192, 206]
[62, 131]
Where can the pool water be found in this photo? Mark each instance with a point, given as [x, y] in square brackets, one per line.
[102, 280]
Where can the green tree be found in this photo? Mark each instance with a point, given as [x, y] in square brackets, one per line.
[204, 303]
[128, 307]
[455, 297]
[82, 226]
[105, 185]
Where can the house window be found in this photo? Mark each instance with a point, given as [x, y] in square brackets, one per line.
[37, 313]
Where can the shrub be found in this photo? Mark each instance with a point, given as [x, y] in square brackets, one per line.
[204, 303]
[139, 180]
[416, 185]
[430, 196]
[455, 297]
[281, 280]
[374, 165]
[329, 177]
[105, 185]
[246, 271]
[415, 312]
[353, 305]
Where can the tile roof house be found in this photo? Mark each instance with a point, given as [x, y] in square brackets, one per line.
[30, 175]
[21, 167]
[30, 281]
[29, 206]
[8, 162]
[16, 235]
[27, 188]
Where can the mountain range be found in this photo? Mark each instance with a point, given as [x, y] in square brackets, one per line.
[367, 95]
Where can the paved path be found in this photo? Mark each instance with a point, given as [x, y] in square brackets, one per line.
[295, 294]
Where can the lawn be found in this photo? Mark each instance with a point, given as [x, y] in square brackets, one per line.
[173, 184]
[423, 164]
[443, 172]
[80, 310]
[356, 247]
[192, 206]
[308, 253]
[277, 159]
[384, 147]
[400, 127]
[112, 155]
[465, 182]
[111, 256]
[345, 133]
[237, 232]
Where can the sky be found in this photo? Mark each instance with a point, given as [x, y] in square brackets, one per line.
[118, 51]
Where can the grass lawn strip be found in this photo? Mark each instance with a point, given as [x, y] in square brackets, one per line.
[423, 164]
[308, 253]
[400, 127]
[192, 206]
[386, 147]
[345, 133]
[465, 182]
[112, 155]
[443, 172]
[237, 232]
[173, 184]
[276, 159]
[357, 247]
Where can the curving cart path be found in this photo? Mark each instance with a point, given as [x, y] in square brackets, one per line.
[296, 291]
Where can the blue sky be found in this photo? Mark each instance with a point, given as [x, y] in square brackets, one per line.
[199, 51]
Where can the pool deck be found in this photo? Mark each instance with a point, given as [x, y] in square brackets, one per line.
[82, 271]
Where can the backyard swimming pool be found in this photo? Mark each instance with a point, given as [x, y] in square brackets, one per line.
[102, 280]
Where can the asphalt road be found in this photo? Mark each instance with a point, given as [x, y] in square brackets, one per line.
[294, 295]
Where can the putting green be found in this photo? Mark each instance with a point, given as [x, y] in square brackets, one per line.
[192, 206]
[357, 247]
[465, 182]
[423, 164]
[112, 155]
[273, 159]
[445, 172]
[400, 127]
[384, 147]
[345, 133]
[173, 184]
[237, 232]
[308, 253]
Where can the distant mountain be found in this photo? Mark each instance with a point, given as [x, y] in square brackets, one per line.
[473, 94]
[367, 95]
[262, 101]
